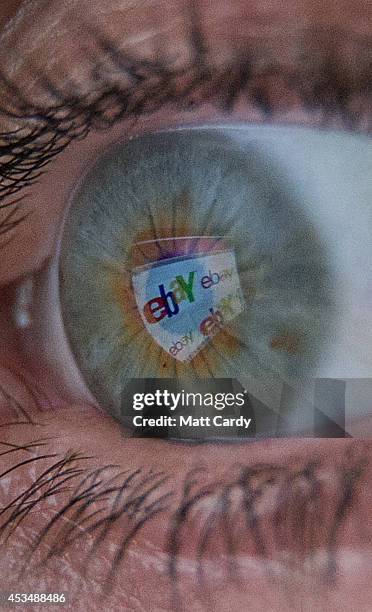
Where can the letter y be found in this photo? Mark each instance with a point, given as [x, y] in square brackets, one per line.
[187, 287]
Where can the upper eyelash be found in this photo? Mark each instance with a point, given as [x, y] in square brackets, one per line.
[147, 84]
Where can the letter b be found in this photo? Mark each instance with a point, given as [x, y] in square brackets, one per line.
[172, 308]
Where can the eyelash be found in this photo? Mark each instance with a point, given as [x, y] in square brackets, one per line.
[136, 498]
[149, 84]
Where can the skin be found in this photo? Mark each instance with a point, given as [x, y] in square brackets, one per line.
[142, 583]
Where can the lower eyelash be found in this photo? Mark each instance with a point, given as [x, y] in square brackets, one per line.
[228, 511]
[300, 507]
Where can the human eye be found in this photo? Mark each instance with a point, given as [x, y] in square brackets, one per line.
[80, 499]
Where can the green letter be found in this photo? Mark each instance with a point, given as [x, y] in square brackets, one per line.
[187, 287]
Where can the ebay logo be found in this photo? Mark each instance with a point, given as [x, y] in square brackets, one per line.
[203, 290]
[167, 303]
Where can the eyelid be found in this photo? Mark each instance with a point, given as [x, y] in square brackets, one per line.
[239, 76]
[70, 113]
[45, 201]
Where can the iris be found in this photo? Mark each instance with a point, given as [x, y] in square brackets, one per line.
[158, 201]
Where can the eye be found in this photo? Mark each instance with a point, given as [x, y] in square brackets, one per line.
[143, 524]
[193, 255]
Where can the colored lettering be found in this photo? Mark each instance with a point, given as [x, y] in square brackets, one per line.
[213, 278]
[187, 287]
[169, 297]
[167, 303]
[206, 282]
[155, 310]
[210, 325]
[180, 344]
[210, 279]
[178, 292]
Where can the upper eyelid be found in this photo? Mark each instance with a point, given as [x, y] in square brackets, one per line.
[147, 84]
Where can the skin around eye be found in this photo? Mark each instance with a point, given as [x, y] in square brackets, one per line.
[132, 524]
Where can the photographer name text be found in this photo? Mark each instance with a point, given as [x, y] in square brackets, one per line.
[190, 421]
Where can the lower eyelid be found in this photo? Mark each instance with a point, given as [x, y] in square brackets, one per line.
[220, 465]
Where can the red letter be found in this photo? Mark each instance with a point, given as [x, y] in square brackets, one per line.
[153, 306]
[207, 326]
